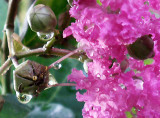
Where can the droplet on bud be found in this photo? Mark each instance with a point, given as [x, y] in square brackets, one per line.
[52, 80]
[57, 66]
[23, 98]
[44, 36]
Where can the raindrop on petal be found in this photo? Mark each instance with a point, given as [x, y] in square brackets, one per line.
[98, 75]
[97, 89]
[44, 36]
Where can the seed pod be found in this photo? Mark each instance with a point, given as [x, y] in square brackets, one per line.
[30, 78]
[142, 48]
[42, 19]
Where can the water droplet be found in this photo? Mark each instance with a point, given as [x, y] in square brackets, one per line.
[80, 58]
[138, 84]
[57, 66]
[44, 36]
[115, 89]
[97, 90]
[23, 98]
[122, 86]
[52, 80]
[98, 75]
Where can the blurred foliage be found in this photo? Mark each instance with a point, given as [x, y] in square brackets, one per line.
[57, 102]
[13, 109]
[148, 61]
[3, 14]
[50, 111]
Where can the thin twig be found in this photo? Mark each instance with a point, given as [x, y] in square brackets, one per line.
[49, 44]
[8, 30]
[14, 61]
[62, 84]
[64, 57]
[39, 51]
[9, 27]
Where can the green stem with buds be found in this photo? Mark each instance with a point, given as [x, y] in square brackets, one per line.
[40, 51]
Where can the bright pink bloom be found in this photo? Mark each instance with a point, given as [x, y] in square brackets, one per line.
[104, 32]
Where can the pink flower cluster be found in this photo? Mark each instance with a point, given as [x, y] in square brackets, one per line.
[115, 87]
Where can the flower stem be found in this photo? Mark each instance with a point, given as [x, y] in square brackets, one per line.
[64, 57]
[62, 84]
[39, 51]
[8, 30]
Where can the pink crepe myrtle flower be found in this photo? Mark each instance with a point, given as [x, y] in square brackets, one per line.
[104, 32]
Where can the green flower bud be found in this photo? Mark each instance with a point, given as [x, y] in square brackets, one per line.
[42, 19]
[30, 78]
[142, 48]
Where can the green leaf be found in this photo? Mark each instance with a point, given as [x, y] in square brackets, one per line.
[128, 114]
[134, 110]
[99, 2]
[13, 109]
[51, 111]
[18, 46]
[148, 61]
[22, 11]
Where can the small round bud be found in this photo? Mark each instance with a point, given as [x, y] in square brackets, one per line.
[42, 19]
[142, 48]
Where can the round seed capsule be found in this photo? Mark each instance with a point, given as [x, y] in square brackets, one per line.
[42, 19]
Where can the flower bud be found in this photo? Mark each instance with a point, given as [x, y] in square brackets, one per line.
[30, 78]
[42, 19]
[142, 48]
